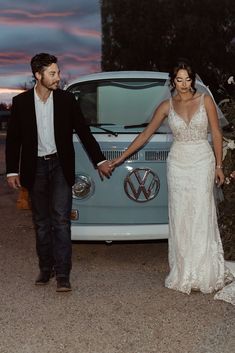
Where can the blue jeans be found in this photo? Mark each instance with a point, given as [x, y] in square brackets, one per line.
[51, 198]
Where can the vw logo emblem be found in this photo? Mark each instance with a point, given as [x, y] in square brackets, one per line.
[142, 185]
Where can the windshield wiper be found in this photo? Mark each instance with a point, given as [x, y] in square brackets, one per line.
[160, 130]
[98, 126]
[137, 125]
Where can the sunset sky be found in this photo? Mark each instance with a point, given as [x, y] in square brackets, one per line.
[71, 30]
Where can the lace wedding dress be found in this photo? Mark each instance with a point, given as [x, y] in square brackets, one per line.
[196, 256]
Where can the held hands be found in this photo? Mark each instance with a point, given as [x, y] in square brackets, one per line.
[219, 177]
[105, 170]
[14, 181]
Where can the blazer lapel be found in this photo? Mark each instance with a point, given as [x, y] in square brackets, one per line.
[31, 112]
[58, 112]
[56, 107]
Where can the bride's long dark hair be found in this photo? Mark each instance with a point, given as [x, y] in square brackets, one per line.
[182, 64]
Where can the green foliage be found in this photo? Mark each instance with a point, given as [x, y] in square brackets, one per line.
[151, 34]
[227, 209]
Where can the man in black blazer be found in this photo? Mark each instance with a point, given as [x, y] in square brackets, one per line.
[40, 157]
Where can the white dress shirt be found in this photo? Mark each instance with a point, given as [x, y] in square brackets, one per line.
[45, 124]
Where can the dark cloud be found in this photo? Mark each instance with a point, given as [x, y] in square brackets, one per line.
[68, 29]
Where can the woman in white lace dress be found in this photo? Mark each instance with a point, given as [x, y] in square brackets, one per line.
[195, 250]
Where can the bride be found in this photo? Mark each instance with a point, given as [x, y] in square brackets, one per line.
[196, 258]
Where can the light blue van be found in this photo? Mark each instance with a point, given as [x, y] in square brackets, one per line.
[132, 204]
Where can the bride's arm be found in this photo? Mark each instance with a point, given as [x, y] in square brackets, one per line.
[159, 115]
[216, 137]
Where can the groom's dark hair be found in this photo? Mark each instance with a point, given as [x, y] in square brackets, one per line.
[41, 61]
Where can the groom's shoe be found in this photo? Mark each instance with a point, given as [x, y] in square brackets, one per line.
[44, 277]
[63, 284]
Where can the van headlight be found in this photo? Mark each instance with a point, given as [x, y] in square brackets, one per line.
[83, 187]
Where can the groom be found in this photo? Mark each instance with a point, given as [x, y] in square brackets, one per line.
[40, 157]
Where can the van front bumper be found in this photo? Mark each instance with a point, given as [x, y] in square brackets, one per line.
[119, 232]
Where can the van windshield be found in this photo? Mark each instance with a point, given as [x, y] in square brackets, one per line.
[121, 101]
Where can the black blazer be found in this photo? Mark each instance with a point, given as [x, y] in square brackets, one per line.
[22, 140]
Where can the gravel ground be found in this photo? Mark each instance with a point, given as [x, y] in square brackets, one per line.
[118, 303]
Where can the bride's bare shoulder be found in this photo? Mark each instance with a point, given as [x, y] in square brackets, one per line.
[164, 104]
[208, 101]
[164, 107]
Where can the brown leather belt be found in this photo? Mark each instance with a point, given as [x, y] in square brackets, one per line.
[49, 156]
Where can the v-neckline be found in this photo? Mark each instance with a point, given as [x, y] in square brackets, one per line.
[187, 123]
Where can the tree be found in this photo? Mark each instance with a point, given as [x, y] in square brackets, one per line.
[151, 34]
[27, 85]
[4, 107]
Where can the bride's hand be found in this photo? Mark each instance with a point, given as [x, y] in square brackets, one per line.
[219, 177]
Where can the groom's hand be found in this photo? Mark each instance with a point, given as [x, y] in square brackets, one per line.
[105, 170]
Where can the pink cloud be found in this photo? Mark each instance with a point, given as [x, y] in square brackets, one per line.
[75, 58]
[11, 22]
[13, 58]
[24, 18]
[84, 32]
[44, 19]
[10, 90]
[38, 15]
